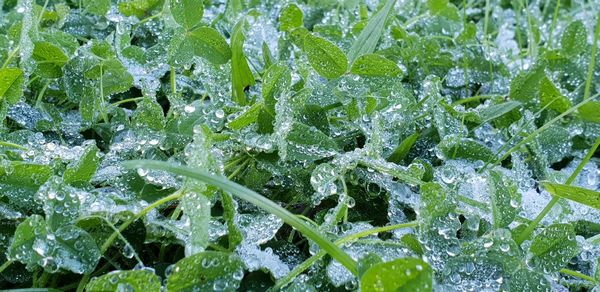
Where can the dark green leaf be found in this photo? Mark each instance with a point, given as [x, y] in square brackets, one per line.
[574, 39]
[525, 86]
[550, 96]
[97, 7]
[24, 174]
[403, 148]
[208, 43]
[505, 199]
[456, 147]
[308, 143]
[149, 115]
[49, 58]
[241, 75]
[553, 247]
[248, 117]
[80, 172]
[276, 80]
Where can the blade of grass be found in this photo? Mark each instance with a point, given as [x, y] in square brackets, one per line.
[367, 40]
[527, 232]
[348, 238]
[256, 199]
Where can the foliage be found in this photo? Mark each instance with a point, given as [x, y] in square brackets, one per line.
[197, 145]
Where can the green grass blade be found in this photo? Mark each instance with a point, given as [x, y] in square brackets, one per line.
[256, 199]
[366, 42]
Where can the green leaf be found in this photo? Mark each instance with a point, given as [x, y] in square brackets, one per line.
[80, 172]
[374, 65]
[49, 58]
[574, 39]
[69, 247]
[256, 199]
[553, 247]
[241, 75]
[204, 42]
[139, 8]
[291, 17]
[525, 86]
[325, 57]
[248, 117]
[188, 13]
[61, 202]
[149, 114]
[548, 94]
[403, 148]
[11, 84]
[25, 174]
[466, 148]
[527, 280]
[367, 40]
[276, 80]
[407, 274]
[308, 143]
[505, 199]
[589, 111]
[97, 7]
[136, 280]
[206, 271]
[497, 110]
[583, 196]
[368, 261]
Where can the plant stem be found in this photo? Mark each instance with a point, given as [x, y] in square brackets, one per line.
[5, 265]
[13, 145]
[10, 57]
[577, 275]
[543, 128]
[592, 65]
[553, 25]
[527, 232]
[256, 199]
[109, 241]
[348, 238]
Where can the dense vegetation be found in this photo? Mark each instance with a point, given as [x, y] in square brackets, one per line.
[197, 145]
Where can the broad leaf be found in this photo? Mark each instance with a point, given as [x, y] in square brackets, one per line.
[80, 172]
[553, 247]
[49, 58]
[11, 82]
[589, 111]
[290, 17]
[374, 65]
[136, 280]
[574, 38]
[325, 57]
[550, 96]
[188, 13]
[453, 147]
[208, 43]
[206, 271]
[505, 199]
[408, 274]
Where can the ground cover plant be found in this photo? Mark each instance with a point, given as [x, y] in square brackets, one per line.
[199, 145]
